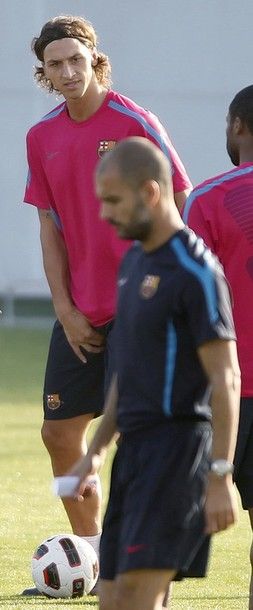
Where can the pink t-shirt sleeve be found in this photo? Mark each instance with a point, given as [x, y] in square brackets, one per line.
[181, 181]
[159, 136]
[200, 221]
[37, 191]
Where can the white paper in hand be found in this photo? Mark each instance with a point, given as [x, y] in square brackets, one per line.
[65, 486]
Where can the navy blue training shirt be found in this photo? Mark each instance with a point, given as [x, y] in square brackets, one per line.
[170, 301]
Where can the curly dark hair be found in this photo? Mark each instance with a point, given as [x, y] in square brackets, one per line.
[69, 26]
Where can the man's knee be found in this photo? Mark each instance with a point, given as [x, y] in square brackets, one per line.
[50, 436]
[126, 589]
[58, 439]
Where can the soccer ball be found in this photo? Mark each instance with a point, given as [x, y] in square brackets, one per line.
[65, 566]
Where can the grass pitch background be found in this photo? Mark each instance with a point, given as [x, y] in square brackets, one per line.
[29, 512]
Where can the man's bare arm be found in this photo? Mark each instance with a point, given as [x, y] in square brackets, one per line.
[55, 262]
[77, 328]
[220, 362]
[181, 197]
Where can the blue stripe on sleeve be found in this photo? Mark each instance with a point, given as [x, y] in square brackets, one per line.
[56, 219]
[205, 188]
[202, 272]
[171, 353]
[53, 113]
[29, 178]
[140, 119]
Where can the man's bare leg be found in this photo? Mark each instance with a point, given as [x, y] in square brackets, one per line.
[134, 590]
[66, 442]
[251, 562]
[167, 596]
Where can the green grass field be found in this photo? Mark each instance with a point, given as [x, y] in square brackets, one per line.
[30, 513]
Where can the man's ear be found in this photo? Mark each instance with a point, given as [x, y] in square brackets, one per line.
[94, 56]
[150, 192]
[238, 126]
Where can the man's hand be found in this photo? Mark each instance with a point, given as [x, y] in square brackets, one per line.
[221, 506]
[86, 469]
[80, 334]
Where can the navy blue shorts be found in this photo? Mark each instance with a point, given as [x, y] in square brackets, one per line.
[243, 475]
[71, 387]
[155, 517]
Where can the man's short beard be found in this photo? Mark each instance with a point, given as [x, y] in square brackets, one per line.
[139, 232]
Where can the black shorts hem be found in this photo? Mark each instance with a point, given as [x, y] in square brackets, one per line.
[196, 566]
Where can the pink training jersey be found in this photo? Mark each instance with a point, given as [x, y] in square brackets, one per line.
[62, 156]
[221, 211]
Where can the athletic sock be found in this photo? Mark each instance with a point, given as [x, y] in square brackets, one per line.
[94, 541]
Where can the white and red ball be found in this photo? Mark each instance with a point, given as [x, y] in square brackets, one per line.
[65, 565]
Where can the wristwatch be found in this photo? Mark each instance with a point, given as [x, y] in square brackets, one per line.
[221, 467]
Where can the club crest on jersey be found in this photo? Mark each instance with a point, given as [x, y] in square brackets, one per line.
[105, 146]
[53, 401]
[149, 286]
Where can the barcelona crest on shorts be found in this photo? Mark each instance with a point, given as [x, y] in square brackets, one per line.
[105, 146]
[53, 401]
[149, 286]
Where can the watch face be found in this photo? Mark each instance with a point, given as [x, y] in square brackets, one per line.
[221, 467]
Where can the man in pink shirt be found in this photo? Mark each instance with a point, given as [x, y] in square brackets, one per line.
[221, 211]
[81, 252]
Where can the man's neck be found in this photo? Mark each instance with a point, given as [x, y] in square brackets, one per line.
[164, 228]
[84, 107]
[246, 157]
[246, 150]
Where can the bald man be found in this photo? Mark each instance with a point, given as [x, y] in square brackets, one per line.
[174, 342]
